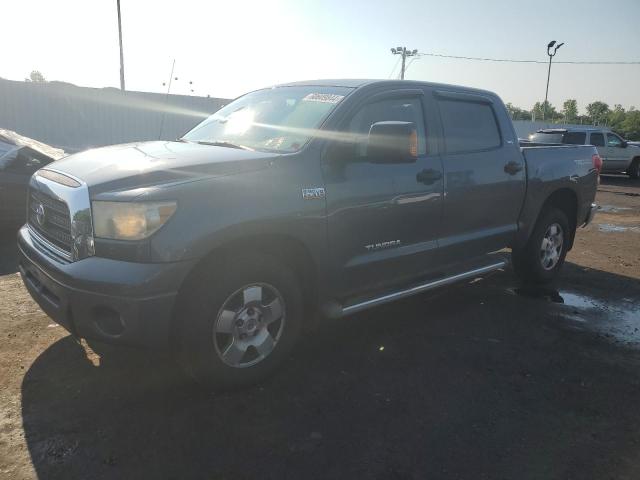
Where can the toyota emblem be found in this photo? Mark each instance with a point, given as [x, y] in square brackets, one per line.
[40, 215]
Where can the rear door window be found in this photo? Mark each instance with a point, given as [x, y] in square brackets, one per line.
[597, 139]
[575, 138]
[546, 137]
[569, 138]
[468, 126]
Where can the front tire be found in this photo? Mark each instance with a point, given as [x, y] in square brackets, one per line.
[239, 321]
[541, 259]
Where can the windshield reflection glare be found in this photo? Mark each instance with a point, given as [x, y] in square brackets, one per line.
[280, 119]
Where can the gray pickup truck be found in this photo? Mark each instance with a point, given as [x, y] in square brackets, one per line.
[322, 196]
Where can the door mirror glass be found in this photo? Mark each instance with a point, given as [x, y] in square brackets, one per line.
[392, 142]
[380, 128]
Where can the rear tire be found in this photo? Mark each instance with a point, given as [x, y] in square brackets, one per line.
[239, 321]
[541, 259]
[634, 169]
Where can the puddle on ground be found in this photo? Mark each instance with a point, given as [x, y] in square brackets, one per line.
[610, 227]
[619, 319]
[611, 208]
[555, 296]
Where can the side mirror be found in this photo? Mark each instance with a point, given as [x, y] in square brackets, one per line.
[624, 144]
[392, 142]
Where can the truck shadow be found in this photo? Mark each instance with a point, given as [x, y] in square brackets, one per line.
[618, 181]
[473, 381]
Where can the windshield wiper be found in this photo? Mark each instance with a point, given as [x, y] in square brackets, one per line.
[222, 143]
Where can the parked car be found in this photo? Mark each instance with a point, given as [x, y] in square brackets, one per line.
[19, 157]
[332, 196]
[618, 155]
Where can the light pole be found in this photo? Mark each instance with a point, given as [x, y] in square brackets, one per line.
[121, 54]
[551, 55]
[405, 53]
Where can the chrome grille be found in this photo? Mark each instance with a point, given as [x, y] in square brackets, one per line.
[55, 225]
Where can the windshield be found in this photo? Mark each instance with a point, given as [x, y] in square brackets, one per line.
[278, 119]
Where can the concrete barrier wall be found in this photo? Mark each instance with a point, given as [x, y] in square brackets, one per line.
[76, 118]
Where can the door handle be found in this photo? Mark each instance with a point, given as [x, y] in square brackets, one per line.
[428, 176]
[512, 167]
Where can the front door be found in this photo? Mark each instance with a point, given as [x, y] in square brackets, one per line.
[16, 167]
[616, 155]
[383, 218]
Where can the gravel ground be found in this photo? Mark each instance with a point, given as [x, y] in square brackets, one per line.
[479, 380]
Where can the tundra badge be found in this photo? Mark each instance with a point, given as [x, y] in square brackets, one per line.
[381, 245]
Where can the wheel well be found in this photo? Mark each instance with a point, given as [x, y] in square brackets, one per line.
[290, 251]
[566, 201]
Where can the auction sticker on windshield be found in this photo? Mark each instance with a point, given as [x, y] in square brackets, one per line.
[323, 98]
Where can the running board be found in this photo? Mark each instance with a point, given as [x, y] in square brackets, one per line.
[390, 297]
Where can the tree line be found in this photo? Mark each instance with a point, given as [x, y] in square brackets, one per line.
[624, 122]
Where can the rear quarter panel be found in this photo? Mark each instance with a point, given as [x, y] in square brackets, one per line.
[554, 168]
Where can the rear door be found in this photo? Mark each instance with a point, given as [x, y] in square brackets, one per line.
[484, 176]
[383, 218]
[597, 140]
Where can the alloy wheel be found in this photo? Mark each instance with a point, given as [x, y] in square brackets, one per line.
[249, 325]
[551, 247]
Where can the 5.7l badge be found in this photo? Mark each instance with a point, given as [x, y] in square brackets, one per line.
[313, 193]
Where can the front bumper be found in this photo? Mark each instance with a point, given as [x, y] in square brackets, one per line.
[103, 299]
[593, 208]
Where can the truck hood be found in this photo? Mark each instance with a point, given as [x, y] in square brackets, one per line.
[139, 165]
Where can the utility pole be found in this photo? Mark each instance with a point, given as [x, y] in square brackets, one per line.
[405, 53]
[166, 98]
[551, 55]
[121, 54]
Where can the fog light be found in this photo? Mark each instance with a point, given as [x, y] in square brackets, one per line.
[108, 321]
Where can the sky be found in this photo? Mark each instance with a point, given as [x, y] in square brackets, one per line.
[226, 48]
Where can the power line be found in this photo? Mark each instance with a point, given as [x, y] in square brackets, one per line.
[409, 64]
[394, 68]
[511, 60]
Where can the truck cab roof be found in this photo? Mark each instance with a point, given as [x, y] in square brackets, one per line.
[359, 83]
[574, 129]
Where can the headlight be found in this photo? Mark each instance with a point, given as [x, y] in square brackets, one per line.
[130, 220]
